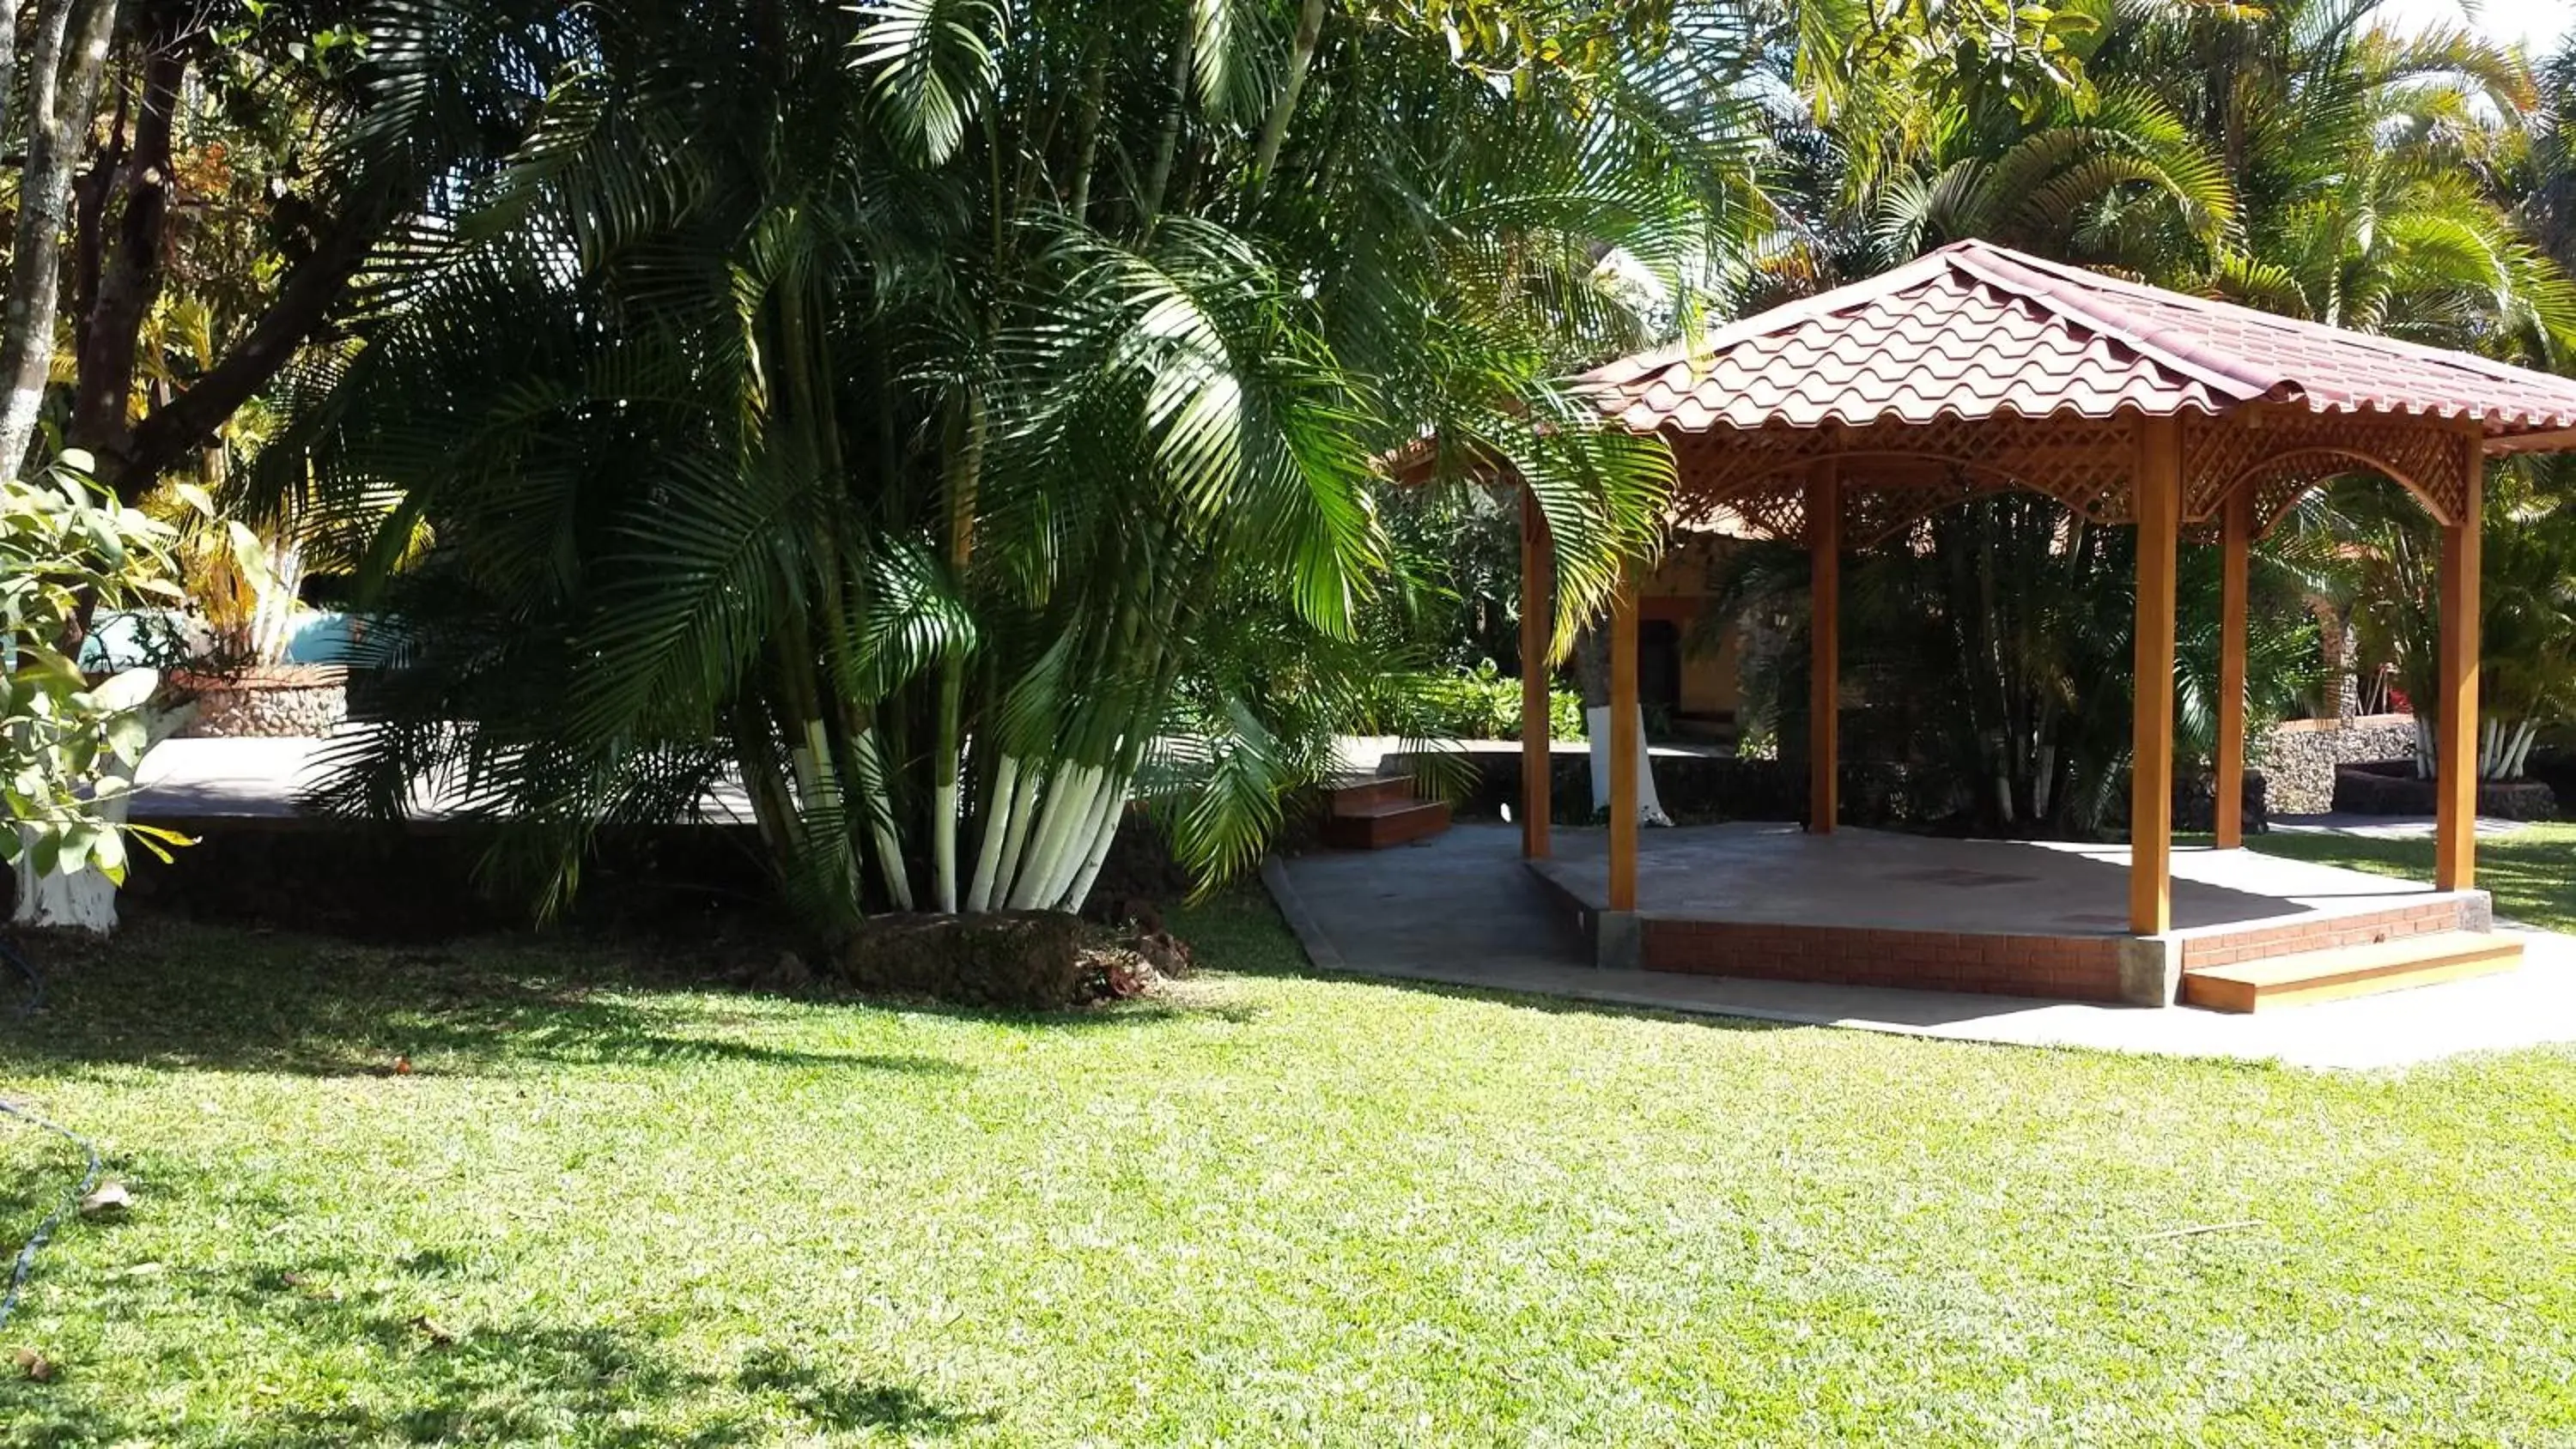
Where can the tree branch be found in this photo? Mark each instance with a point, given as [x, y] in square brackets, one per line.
[1301, 58]
[302, 305]
[124, 275]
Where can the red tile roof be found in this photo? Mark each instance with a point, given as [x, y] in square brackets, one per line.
[1976, 330]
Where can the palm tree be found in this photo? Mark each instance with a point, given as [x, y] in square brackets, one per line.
[956, 419]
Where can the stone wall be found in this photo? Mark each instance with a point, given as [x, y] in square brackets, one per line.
[283, 701]
[2298, 757]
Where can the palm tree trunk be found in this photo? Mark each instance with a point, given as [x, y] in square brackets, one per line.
[1113, 811]
[1015, 837]
[879, 806]
[997, 818]
[1067, 803]
[1086, 148]
[1168, 143]
[1301, 58]
[963, 481]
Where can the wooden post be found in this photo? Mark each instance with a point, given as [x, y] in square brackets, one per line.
[2455, 740]
[1538, 611]
[1623, 747]
[2236, 527]
[1824, 646]
[2158, 491]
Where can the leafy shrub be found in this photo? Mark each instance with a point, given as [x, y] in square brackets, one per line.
[68, 744]
[1477, 704]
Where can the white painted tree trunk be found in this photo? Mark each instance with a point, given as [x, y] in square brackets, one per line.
[1069, 802]
[1015, 841]
[943, 846]
[83, 900]
[872, 785]
[1596, 729]
[997, 820]
[1113, 811]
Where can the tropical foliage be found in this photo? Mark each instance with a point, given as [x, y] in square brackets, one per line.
[69, 743]
[2301, 157]
[957, 420]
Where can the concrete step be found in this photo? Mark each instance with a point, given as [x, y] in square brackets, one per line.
[1384, 823]
[1358, 795]
[2306, 977]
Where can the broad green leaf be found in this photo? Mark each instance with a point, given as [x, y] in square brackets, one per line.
[107, 855]
[128, 690]
[128, 737]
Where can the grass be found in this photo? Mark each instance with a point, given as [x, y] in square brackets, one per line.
[2531, 873]
[602, 1209]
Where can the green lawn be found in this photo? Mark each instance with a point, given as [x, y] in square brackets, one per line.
[1277, 1210]
[2531, 872]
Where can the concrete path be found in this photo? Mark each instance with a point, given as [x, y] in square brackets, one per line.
[1765, 871]
[262, 778]
[2383, 827]
[1460, 910]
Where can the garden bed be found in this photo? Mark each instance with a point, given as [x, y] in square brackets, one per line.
[2391, 787]
[277, 701]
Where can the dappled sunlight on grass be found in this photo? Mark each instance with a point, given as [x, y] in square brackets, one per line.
[2531, 873]
[604, 1209]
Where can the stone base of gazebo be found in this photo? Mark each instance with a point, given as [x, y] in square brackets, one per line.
[1868, 908]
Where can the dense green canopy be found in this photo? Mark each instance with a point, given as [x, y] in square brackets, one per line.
[960, 418]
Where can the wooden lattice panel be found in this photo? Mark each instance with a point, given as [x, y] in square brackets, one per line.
[1895, 475]
[1872, 516]
[1768, 512]
[2282, 453]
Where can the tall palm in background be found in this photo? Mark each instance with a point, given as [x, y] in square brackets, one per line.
[956, 418]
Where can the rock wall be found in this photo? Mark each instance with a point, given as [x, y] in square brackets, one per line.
[280, 702]
[2298, 757]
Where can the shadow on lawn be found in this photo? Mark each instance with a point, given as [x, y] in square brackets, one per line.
[176, 993]
[170, 994]
[523, 1381]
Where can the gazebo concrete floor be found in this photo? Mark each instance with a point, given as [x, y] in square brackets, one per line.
[1463, 910]
[1757, 871]
[1870, 908]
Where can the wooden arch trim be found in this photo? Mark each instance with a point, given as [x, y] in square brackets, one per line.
[2281, 457]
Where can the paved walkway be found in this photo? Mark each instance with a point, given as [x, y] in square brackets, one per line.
[1461, 910]
[261, 778]
[1762, 871]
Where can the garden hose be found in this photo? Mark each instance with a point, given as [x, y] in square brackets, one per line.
[44, 1232]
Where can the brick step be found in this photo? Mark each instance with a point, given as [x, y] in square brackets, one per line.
[2311, 976]
[1385, 823]
[1358, 795]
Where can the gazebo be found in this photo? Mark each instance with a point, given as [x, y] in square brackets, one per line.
[1846, 419]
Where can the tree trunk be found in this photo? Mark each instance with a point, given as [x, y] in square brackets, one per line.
[1168, 141]
[9, 71]
[64, 68]
[84, 900]
[304, 301]
[127, 244]
[1301, 58]
[81, 901]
